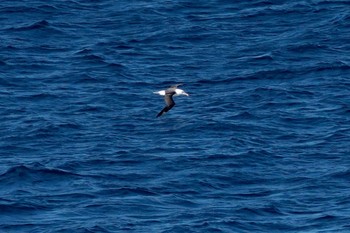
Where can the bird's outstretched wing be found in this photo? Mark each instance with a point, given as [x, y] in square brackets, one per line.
[169, 103]
[176, 85]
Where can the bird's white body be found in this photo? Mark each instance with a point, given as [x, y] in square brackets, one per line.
[178, 92]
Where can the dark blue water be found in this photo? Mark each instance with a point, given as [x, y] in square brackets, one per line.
[262, 144]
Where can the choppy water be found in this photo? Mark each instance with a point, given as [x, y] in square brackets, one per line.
[261, 145]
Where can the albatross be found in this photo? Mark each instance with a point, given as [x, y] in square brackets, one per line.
[168, 97]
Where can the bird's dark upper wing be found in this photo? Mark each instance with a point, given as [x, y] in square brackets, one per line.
[169, 103]
[169, 99]
[165, 109]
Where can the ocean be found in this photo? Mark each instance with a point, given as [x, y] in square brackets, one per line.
[261, 144]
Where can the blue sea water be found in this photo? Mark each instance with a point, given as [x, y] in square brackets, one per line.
[260, 145]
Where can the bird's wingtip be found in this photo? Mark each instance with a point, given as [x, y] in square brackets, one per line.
[177, 85]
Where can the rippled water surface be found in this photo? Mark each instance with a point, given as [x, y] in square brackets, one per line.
[260, 145]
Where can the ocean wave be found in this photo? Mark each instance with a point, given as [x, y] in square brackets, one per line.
[267, 8]
[257, 75]
[324, 66]
[263, 57]
[305, 48]
[86, 78]
[50, 8]
[20, 208]
[128, 191]
[38, 96]
[91, 229]
[88, 55]
[43, 24]
[3, 63]
[340, 175]
[16, 9]
[27, 172]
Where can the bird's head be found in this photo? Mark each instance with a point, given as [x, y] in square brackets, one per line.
[181, 92]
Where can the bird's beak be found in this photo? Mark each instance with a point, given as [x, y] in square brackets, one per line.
[186, 94]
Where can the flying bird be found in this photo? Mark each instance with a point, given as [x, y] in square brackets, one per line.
[168, 97]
